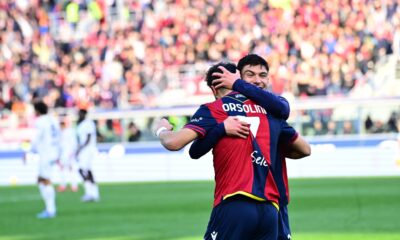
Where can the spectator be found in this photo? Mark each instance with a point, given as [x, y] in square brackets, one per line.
[332, 128]
[105, 129]
[69, 52]
[379, 127]
[319, 127]
[391, 124]
[316, 46]
[368, 124]
[134, 132]
[348, 127]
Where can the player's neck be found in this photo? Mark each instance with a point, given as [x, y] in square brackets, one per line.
[222, 92]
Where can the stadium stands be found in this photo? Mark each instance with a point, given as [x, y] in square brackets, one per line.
[123, 54]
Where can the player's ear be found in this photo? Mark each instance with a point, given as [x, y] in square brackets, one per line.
[214, 90]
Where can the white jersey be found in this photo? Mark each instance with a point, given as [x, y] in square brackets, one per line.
[47, 138]
[86, 128]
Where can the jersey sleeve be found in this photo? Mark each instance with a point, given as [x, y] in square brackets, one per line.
[288, 134]
[56, 136]
[84, 130]
[37, 136]
[202, 146]
[276, 105]
[202, 121]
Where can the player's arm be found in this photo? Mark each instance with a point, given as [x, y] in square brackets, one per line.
[80, 147]
[231, 126]
[34, 143]
[294, 145]
[173, 140]
[299, 148]
[38, 137]
[57, 139]
[276, 105]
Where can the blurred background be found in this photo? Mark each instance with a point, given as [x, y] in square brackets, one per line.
[130, 62]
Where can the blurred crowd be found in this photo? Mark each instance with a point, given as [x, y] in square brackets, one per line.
[120, 53]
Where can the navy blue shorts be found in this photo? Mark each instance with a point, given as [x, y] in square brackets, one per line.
[283, 226]
[241, 218]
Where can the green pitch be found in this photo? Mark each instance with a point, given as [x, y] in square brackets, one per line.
[331, 208]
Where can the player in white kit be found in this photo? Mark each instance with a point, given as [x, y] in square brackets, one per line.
[68, 163]
[398, 142]
[46, 145]
[86, 152]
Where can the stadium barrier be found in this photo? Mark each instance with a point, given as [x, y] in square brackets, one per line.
[358, 154]
[344, 156]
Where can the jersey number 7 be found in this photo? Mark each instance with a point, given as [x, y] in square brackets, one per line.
[253, 121]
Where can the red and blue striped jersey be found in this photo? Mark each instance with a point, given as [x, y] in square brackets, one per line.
[243, 166]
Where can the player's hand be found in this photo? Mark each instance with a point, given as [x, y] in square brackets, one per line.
[226, 78]
[236, 128]
[162, 123]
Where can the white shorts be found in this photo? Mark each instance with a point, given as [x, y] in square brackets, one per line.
[85, 158]
[68, 159]
[46, 168]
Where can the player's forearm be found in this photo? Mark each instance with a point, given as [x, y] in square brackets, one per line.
[295, 155]
[277, 105]
[200, 147]
[175, 141]
[300, 148]
[85, 144]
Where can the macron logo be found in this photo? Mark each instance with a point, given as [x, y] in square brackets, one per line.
[196, 119]
[214, 235]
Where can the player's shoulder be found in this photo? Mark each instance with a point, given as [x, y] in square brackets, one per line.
[86, 122]
[42, 120]
[234, 96]
[86, 125]
[278, 121]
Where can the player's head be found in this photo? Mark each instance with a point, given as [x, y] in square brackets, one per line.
[231, 67]
[40, 107]
[65, 122]
[82, 115]
[254, 69]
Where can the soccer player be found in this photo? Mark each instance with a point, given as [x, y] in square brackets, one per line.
[253, 67]
[246, 196]
[46, 145]
[398, 141]
[86, 130]
[68, 164]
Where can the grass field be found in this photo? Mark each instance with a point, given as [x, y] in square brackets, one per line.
[331, 208]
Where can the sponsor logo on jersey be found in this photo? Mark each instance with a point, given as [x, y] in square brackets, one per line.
[196, 119]
[247, 108]
[258, 159]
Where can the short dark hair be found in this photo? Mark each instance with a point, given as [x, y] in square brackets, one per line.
[82, 112]
[252, 60]
[231, 67]
[40, 107]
